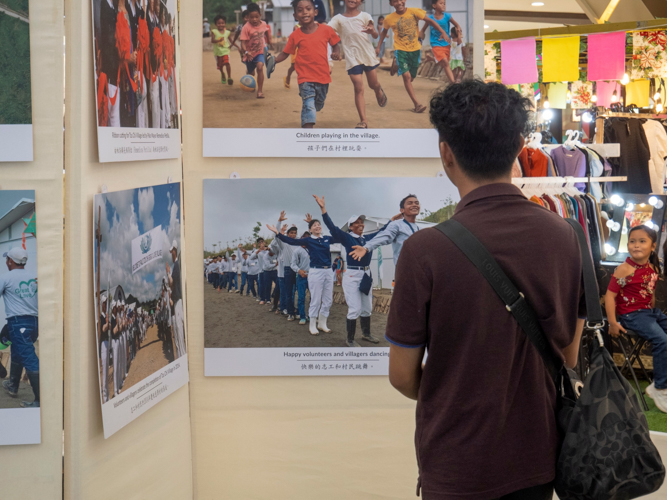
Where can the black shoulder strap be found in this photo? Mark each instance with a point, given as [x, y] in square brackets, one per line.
[514, 300]
[591, 290]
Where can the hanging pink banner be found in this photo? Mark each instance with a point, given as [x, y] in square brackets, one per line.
[606, 56]
[518, 63]
[605, 91]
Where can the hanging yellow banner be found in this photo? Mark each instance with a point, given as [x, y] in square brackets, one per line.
[558, 95]
[560, 59]
[637, 92]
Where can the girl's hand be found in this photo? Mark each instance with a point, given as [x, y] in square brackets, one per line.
[615, 329]
[303, 273]
[308, 218]
[320, 202]
[377, 50]
[368, 29]
[272, 228]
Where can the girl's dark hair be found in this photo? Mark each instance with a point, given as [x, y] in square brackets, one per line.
[305, 234]
[310, 224]
[653, 258]
[381, 17]
[215, 20]
[295, 3]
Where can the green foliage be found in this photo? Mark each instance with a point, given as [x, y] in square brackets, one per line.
[223, 7]
[15, 91]
[20, 6]
[441, 215]
[657, 421]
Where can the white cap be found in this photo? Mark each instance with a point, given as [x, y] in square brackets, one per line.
[114, 304]
[174, 246]
[18, 255]
[354, 219]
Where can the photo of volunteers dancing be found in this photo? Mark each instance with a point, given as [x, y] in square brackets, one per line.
[289, 272]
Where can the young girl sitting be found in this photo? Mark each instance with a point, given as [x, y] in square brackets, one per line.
[631, 294]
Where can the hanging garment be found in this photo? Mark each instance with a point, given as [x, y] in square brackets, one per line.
[635, 154]
[570, 163]
[657, 142]
[534, 162]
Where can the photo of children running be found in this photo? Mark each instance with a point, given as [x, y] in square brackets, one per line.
[358, 64]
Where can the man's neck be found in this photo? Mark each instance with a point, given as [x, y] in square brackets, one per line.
[410, 218]
[467, 185]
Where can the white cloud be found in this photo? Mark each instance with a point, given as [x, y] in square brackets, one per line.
[146, 204]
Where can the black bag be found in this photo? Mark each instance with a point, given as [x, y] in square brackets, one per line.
[365, 284]
[606, 451]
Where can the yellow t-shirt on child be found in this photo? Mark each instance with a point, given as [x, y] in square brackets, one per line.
[405, 28]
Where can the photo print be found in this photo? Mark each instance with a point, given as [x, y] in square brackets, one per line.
[15, 83]
[19, 322]
[139, 302]
[337, 79]
[298, 303]
[136, 79]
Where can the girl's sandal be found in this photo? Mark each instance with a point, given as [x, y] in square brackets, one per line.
[420, 108]
[382, 101]
[285, 84]
[260, 95]
[362, 125]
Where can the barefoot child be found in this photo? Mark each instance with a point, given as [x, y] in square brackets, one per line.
[441, 48]
[312, 63]
[405, 25]
[456, 62]
[254, 37]
[353, 26]
[382, 47]
[220, 41]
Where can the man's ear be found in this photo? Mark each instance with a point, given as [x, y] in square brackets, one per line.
[446, 154]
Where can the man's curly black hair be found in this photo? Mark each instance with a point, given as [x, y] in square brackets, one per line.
[483, 124]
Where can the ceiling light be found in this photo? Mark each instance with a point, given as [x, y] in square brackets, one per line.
[537, 4]
[486, 26]
[626, 79]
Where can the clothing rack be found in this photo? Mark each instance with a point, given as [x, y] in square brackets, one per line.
[522, 181]
[608, 150]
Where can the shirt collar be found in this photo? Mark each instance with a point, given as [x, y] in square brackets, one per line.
[489, 191]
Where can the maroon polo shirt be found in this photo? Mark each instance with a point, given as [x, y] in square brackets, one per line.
[486, 408]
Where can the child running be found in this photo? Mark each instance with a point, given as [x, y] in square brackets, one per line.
[441, 48]
[405, 25]
[237, 31]
[286, 79]
[631, 294]
[353, 27]
[312, 63]
[254, 37]
[221, 48]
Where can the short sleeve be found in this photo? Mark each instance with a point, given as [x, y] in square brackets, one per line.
[333, 36]
[334, 24]
[614, 286]
[419, 13]
[407, 325]
[290, 46]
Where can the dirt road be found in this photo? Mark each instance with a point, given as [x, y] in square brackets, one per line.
[151, 357]
[230, 107]
[234, 321]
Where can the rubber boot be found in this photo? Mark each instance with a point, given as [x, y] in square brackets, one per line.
[12, 385]
[322, 324]
[351, 330]
[366, 330]
[34, 383]
[313, 327]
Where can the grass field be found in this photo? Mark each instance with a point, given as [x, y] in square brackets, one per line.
[15, 91]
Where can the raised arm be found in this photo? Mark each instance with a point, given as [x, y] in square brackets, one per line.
[287, 239]
[384, 237]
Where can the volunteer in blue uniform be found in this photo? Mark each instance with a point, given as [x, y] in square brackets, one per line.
[320, 275]
[357, 280]
[396, 232]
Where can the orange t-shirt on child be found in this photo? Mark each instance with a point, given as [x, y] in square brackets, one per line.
[312, 60]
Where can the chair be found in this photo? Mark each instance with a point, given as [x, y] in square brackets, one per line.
[635, 344]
